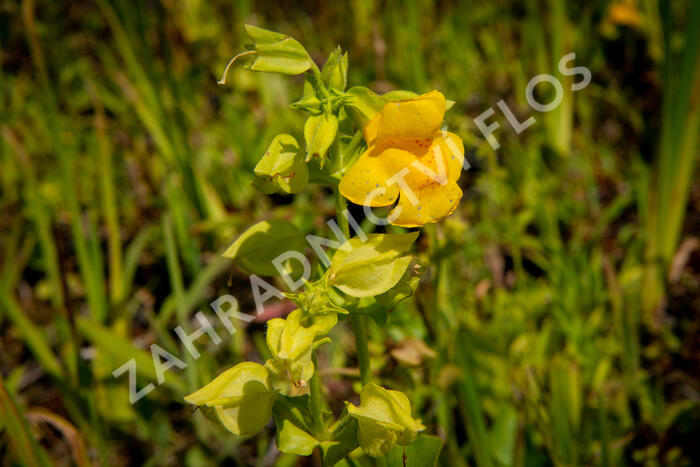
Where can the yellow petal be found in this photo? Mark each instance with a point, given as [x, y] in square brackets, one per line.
[365, 182]
[433, 163]
[452, 153]
[412, 118]
[435, 202]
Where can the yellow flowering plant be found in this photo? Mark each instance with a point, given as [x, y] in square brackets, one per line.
[374, 150]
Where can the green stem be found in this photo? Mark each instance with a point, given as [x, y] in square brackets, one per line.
[341, 205]
[316, 404]
[359, 322]
[359, 327]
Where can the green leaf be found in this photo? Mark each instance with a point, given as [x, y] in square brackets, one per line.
[277, 53]
[22, 443]
[293, 440]
[282, 169]
[369, 306]
[503, 435]
[363, 105]
[319, 133]
[403, 289]
[309, 103]
[122, 349]
[294, 408]
[233, 385]
[293, 421]
[335, 71]
[242, 397]
[372, 267]
[254, 250]
[424, 452]
[320, 174]
[343, 440]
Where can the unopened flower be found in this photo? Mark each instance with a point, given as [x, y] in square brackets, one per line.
[384, 419]
[291, 342]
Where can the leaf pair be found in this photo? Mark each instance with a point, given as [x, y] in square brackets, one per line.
[359, 268]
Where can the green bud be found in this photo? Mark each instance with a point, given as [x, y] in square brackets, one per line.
[291, 342]
[242, 397]
[384, 419]
[316, 299]
[282, 169]
[335, 71]
[319, 132]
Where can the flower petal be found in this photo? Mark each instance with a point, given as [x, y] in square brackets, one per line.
[412, 118]
[439, 159]
[452, 153]
[435, 202]
[365, 182]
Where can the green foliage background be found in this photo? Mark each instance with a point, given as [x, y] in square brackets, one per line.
[561, 299]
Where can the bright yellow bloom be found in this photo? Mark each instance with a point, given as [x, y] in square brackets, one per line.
[408, 155]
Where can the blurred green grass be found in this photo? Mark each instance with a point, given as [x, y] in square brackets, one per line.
[125, 170]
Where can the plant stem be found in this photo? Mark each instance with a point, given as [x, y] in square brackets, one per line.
[359, 322]
[358, 327]
[315, 392]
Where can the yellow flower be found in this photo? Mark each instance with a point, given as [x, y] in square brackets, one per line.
[409, 158]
